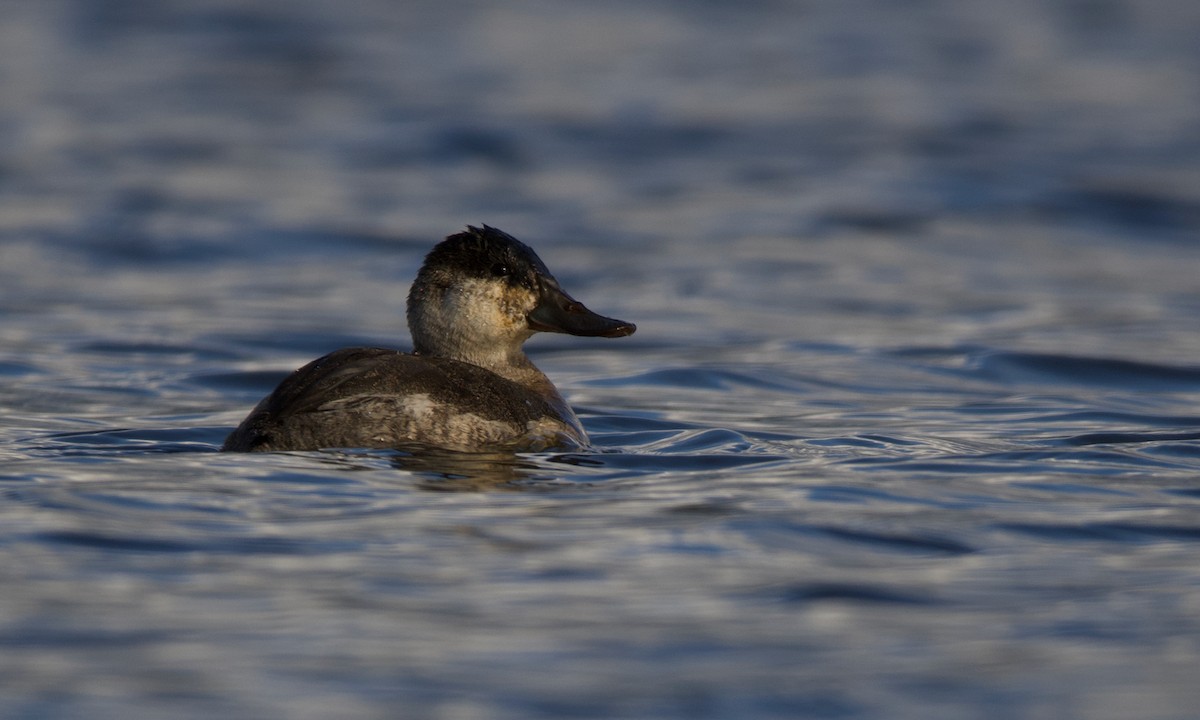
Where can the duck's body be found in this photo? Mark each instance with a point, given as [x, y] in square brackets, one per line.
[467, 385]
[376, 397]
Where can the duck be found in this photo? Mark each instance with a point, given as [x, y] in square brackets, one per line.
[467, 385]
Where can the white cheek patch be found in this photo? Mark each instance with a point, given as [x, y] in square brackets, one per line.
[486, 309]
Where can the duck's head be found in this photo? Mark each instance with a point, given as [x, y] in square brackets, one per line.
[482, 293]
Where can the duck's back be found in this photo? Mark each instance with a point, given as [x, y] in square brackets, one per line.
[376, 397]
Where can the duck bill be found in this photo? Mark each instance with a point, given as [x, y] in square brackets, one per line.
[561, 313]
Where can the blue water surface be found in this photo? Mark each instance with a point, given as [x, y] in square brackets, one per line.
[910, 427]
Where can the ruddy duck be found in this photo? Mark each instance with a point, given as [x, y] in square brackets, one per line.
[467, 385]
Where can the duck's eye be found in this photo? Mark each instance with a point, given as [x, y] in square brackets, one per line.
[500, 270]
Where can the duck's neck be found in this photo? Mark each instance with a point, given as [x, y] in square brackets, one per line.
[515, 366]
[509, 363]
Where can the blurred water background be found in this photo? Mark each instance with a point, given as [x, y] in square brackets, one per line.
[910, 428]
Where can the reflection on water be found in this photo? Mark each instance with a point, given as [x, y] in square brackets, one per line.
[447, 471]
[909, 428]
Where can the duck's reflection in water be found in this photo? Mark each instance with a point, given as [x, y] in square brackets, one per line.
[440, 470]
[449, 471]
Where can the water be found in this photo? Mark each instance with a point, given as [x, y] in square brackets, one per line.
[910, 427]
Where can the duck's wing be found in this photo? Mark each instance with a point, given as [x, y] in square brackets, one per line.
[341, 373]
[338, 375]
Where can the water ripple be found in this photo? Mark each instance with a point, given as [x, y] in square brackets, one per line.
[1021, 368]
